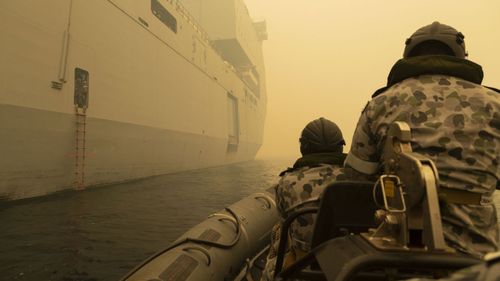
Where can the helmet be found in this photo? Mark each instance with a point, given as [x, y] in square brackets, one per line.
[436, 31]
[321, 135]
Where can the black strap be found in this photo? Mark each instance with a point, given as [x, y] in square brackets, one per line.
[494, 89]
[379, 91]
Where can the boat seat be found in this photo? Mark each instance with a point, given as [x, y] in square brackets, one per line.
[346, 207]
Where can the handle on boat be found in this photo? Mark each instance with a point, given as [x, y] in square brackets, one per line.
[266, 200]
[203, 251]
[231, 220]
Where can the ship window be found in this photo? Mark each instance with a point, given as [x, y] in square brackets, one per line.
[81, 88]
[163, 15]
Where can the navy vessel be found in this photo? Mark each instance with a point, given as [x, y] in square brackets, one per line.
[102, 91]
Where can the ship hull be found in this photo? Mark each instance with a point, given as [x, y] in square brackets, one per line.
[38, 155]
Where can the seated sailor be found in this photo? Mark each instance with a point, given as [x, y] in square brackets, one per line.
[454, 121]
[321, 146]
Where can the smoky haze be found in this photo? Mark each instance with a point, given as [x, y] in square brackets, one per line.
[325, 58]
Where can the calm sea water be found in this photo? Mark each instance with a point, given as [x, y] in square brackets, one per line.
[102, 233]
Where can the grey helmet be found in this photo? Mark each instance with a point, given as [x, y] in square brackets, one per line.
[321, 135]
[438, 32]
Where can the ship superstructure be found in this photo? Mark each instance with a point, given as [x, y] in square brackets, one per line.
[101, 91]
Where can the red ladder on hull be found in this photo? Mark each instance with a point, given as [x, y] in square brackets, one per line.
[80, 124]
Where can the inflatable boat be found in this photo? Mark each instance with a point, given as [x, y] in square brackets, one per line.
[392, 232]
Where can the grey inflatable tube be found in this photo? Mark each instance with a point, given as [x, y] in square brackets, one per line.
[218, 247]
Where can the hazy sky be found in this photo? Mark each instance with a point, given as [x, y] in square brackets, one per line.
[326, 57]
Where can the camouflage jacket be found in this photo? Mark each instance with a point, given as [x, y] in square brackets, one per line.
[300, 187]
[456, 123]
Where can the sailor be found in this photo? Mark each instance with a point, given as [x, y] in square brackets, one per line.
[454, 121]
[321, 146]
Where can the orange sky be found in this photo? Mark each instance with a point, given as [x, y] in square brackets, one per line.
[326, 57]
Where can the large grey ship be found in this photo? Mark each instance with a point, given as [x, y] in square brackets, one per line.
[101, 91]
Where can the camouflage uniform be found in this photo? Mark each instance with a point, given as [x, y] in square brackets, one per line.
[296, 187]
[301, 186]
[454, 122]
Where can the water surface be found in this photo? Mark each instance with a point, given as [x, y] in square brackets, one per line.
[102, 233]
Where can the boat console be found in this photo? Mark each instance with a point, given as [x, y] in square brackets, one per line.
[387, 230]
